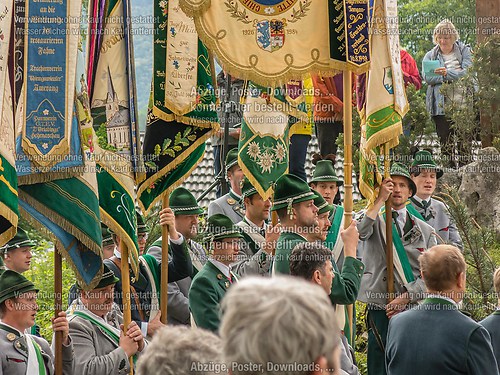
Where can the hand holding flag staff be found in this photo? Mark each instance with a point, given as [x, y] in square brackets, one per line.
[382, 104]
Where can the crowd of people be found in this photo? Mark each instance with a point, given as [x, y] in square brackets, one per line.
[246, 296]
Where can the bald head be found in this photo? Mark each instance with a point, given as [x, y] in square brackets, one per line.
[441, 267]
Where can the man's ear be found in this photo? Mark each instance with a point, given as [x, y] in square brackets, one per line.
[9, 304]
[246, 201]
[320, 366]
[316, 277]
[461, 280]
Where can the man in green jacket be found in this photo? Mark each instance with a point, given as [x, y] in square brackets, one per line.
[210, 284]
[294, 203]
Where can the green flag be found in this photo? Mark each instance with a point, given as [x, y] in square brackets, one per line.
[181, 114]
[263, 146]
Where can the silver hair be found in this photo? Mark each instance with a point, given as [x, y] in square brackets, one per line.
[278, 325]
[445, 27]
[181, 350]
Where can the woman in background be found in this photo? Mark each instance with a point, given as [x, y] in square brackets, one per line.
[455, 58]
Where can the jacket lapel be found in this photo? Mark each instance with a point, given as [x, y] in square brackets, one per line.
[222, 280]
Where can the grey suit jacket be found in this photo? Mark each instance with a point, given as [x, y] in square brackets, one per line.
[14, 354]
[437, 339]
[252, 259]
[95, 352]
[438, 217]
[347, 365]
[374, 281]
[492, 325]
[229, 206]
[178, 304]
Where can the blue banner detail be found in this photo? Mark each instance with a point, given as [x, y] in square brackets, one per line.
[356, 26]
[85, 262]
[25, 167]
[46, 76]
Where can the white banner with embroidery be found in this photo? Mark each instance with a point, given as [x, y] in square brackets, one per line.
[181, 74]
[267, 41]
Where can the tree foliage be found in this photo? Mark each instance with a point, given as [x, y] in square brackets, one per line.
[417, 20]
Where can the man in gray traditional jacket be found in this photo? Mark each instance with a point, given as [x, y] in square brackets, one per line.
[96, 326]
[22, 353]
[259, 238]
[425, 173]
[230, 204]
[411, 237]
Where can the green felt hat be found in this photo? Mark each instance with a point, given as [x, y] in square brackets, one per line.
[247, 189]
[398, 169]
[21, 239]
[219, 226]
[107, 235]
[108, 278]
[141, 223]
[321, 203]
[325, 172]
[182, 202]
[423, 160]
[290, 189]
[12, 284]
[231, 158]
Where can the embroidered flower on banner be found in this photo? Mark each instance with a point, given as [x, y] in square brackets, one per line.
[253, 150]
[280, 153]
[266, 161]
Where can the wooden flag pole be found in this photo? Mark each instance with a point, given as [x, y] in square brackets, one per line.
[348, 200]
[127, 313]
[164, 267]
[388, 231]
[274, 222]
[58, 365]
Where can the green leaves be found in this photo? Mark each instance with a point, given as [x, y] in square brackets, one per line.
[181, 141]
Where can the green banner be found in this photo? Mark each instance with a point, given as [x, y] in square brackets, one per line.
[263, 146]
[175, 138]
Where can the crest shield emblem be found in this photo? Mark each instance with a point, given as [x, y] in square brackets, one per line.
[388, 80]
[270, 35]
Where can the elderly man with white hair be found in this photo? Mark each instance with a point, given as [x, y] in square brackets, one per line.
[180, 350]
[279, 325]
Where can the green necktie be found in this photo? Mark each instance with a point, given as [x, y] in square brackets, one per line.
[395, 218]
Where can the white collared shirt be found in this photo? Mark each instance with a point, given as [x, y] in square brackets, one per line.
[419, 200]
[221, 267]
[402, 213]
[255, 226]
[235, 194]
[15, 329]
